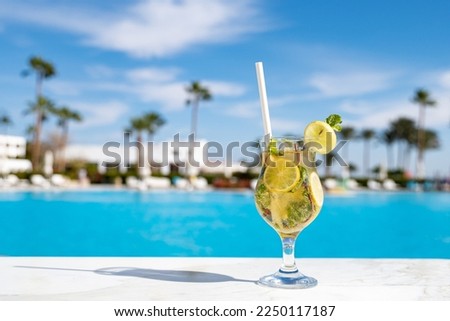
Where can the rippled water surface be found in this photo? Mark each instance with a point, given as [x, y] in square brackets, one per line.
[217, 224]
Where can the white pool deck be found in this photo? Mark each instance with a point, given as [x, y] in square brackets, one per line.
[219, 279]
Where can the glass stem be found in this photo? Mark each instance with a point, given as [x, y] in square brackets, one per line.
[289, 265]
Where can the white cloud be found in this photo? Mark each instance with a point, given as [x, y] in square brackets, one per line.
[100, 71]
[222, 88]
[249, 109]
[444, 79]
[379, 114]
[88, 152]
[275, 102]
[150, 85]
[252, 109]
[351, 83]
[170, 96]
[356, 107]
[147, 28]
[161, 85]
[152, 74]
[53, 15]
[77, 88]
[285, 126]
[67, 88]
[100, 114]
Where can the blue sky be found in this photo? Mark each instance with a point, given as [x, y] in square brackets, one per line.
[117, 59]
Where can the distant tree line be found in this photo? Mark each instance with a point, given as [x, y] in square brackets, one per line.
[44, 108]
[404, 132]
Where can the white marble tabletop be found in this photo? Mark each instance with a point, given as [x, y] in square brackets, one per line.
[111, 278]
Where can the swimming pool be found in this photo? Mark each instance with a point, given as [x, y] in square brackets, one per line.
[218, 224]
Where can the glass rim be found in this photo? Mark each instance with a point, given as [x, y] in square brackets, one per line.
[283, 143]
[290, 138]
[293, 137]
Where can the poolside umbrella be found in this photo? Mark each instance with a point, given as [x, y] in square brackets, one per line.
[48, 163]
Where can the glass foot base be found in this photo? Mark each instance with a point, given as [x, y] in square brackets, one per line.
[288, 280]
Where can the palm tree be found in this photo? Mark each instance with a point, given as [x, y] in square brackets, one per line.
[403, 130]
[411, 142]
[42, 107]
[388, 138]
[328, 158]
[347, 133]
[196, 93]
[64, 115]
[431, 140]
[367, 135]
[5, 121]
[423, 99]
[30, 131]
[153, 121]
[43, 70]
[138, 125]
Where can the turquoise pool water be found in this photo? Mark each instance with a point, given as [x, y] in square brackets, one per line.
[218, 224]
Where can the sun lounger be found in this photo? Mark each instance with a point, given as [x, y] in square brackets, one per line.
[132, 182]
[352, 184]
[373, 185]
[11, 180]
[181, 183]
[157, 182]
[58, 180]
[199, 183]
[389, 184]
[39, 181]
[330, 183]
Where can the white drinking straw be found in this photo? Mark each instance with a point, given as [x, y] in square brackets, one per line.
[263, 99]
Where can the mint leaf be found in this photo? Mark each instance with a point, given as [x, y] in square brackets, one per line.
[262, 196]
[335, 122]
[273, 150]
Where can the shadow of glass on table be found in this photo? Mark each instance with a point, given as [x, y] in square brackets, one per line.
[169, 275]
[154, 274]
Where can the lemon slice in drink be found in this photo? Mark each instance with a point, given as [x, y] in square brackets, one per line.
[281, 175]
[316, 188]
[320, 137]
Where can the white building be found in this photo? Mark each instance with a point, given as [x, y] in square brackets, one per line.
[12, 151]
[162, 155]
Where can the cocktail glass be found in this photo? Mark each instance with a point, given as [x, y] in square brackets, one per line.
[288, 196]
